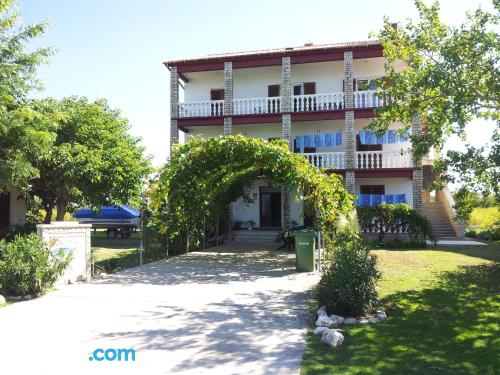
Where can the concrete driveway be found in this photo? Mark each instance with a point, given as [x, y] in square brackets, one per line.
[235, 309]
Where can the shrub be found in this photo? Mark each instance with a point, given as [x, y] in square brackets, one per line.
[484, 218]
[347, 286]
[18, 229]
[395, 218]
[27, 266]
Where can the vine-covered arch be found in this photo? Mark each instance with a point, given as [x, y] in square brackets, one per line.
[204, 176]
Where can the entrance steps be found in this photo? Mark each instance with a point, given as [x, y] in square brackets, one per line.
[440, 222]
[256, 235]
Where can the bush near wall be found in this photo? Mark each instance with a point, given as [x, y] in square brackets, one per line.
[348, 284]
[27, 266]
[395, 218]
[484, 223]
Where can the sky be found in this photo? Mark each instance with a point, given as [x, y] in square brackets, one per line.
[114, 49]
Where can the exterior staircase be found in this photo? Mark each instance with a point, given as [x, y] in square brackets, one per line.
[256, 235]
[439, 208]
[439, 220]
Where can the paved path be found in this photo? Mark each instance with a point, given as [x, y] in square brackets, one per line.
[236, 309]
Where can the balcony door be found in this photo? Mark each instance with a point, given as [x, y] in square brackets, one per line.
[304, 104]
[216, 108]
[372, 189]
[270, 207]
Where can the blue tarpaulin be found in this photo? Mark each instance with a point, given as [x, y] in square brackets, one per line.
[318, 140]
[107, 212]
[375, 199]
[368, 137]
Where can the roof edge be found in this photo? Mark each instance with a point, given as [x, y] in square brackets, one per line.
[280, 52]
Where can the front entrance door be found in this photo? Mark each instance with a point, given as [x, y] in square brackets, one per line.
[270, 207]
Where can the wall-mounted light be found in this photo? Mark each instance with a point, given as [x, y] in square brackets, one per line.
[254, 195]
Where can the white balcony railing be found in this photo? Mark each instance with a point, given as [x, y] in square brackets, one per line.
[202, 109]
[300, 103]
[318, 102]
[367, 99]
[326, 159]
[254, 106]
[383, 159]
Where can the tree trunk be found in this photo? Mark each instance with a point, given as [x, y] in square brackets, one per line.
[61, 210]
[48, 215]
[47, 207]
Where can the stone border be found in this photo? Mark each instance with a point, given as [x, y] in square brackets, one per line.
[334, 336]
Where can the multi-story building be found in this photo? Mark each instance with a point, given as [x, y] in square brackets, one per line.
[318, 98]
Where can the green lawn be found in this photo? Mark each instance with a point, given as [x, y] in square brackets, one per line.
[111, 255]
[444, 317]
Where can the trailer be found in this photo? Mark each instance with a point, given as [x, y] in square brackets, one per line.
[118, 220]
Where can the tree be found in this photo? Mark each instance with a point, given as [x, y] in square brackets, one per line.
[92, 161]
[448, 76]
[18, 126]
[204, 176]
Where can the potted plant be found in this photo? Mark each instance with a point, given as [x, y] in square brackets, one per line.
[250, 224]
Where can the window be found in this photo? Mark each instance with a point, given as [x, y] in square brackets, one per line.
[217, 94]
[306, 88]
[372, 189]
[273, 91]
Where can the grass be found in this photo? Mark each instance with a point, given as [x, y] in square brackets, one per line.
[112, 255]
[443, 306]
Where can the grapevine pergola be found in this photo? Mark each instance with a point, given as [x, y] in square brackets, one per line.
[204, 176]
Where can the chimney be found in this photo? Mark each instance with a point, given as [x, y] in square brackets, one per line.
[308, 44]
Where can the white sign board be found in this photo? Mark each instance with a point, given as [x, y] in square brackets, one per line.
[70, 237]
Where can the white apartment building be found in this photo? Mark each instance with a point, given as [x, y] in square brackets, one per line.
[319, 99]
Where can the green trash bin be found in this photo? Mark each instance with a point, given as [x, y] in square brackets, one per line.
[305, 261]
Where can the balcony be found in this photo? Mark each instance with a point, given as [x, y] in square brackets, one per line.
[266, 105]
[383, 159]
[330, 160]
[257, 106]
[367, 160]
[206, 108]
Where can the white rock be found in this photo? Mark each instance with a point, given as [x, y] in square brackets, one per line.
[2, 300]
[337, 318]
[350, 321]
[322, 311]
[374, 320]
[363, 321]
[320, 330]
[324, 321]
[332, 337]
[381, 315]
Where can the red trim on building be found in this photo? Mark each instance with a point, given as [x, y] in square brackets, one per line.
[273, 58]
[200, 67]
[384, 172]
[200, 121]
[256, 63]
[337, 114]
[367, 52]
[256, 119]
[320, 115]
[317, 57]
[364, 113]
